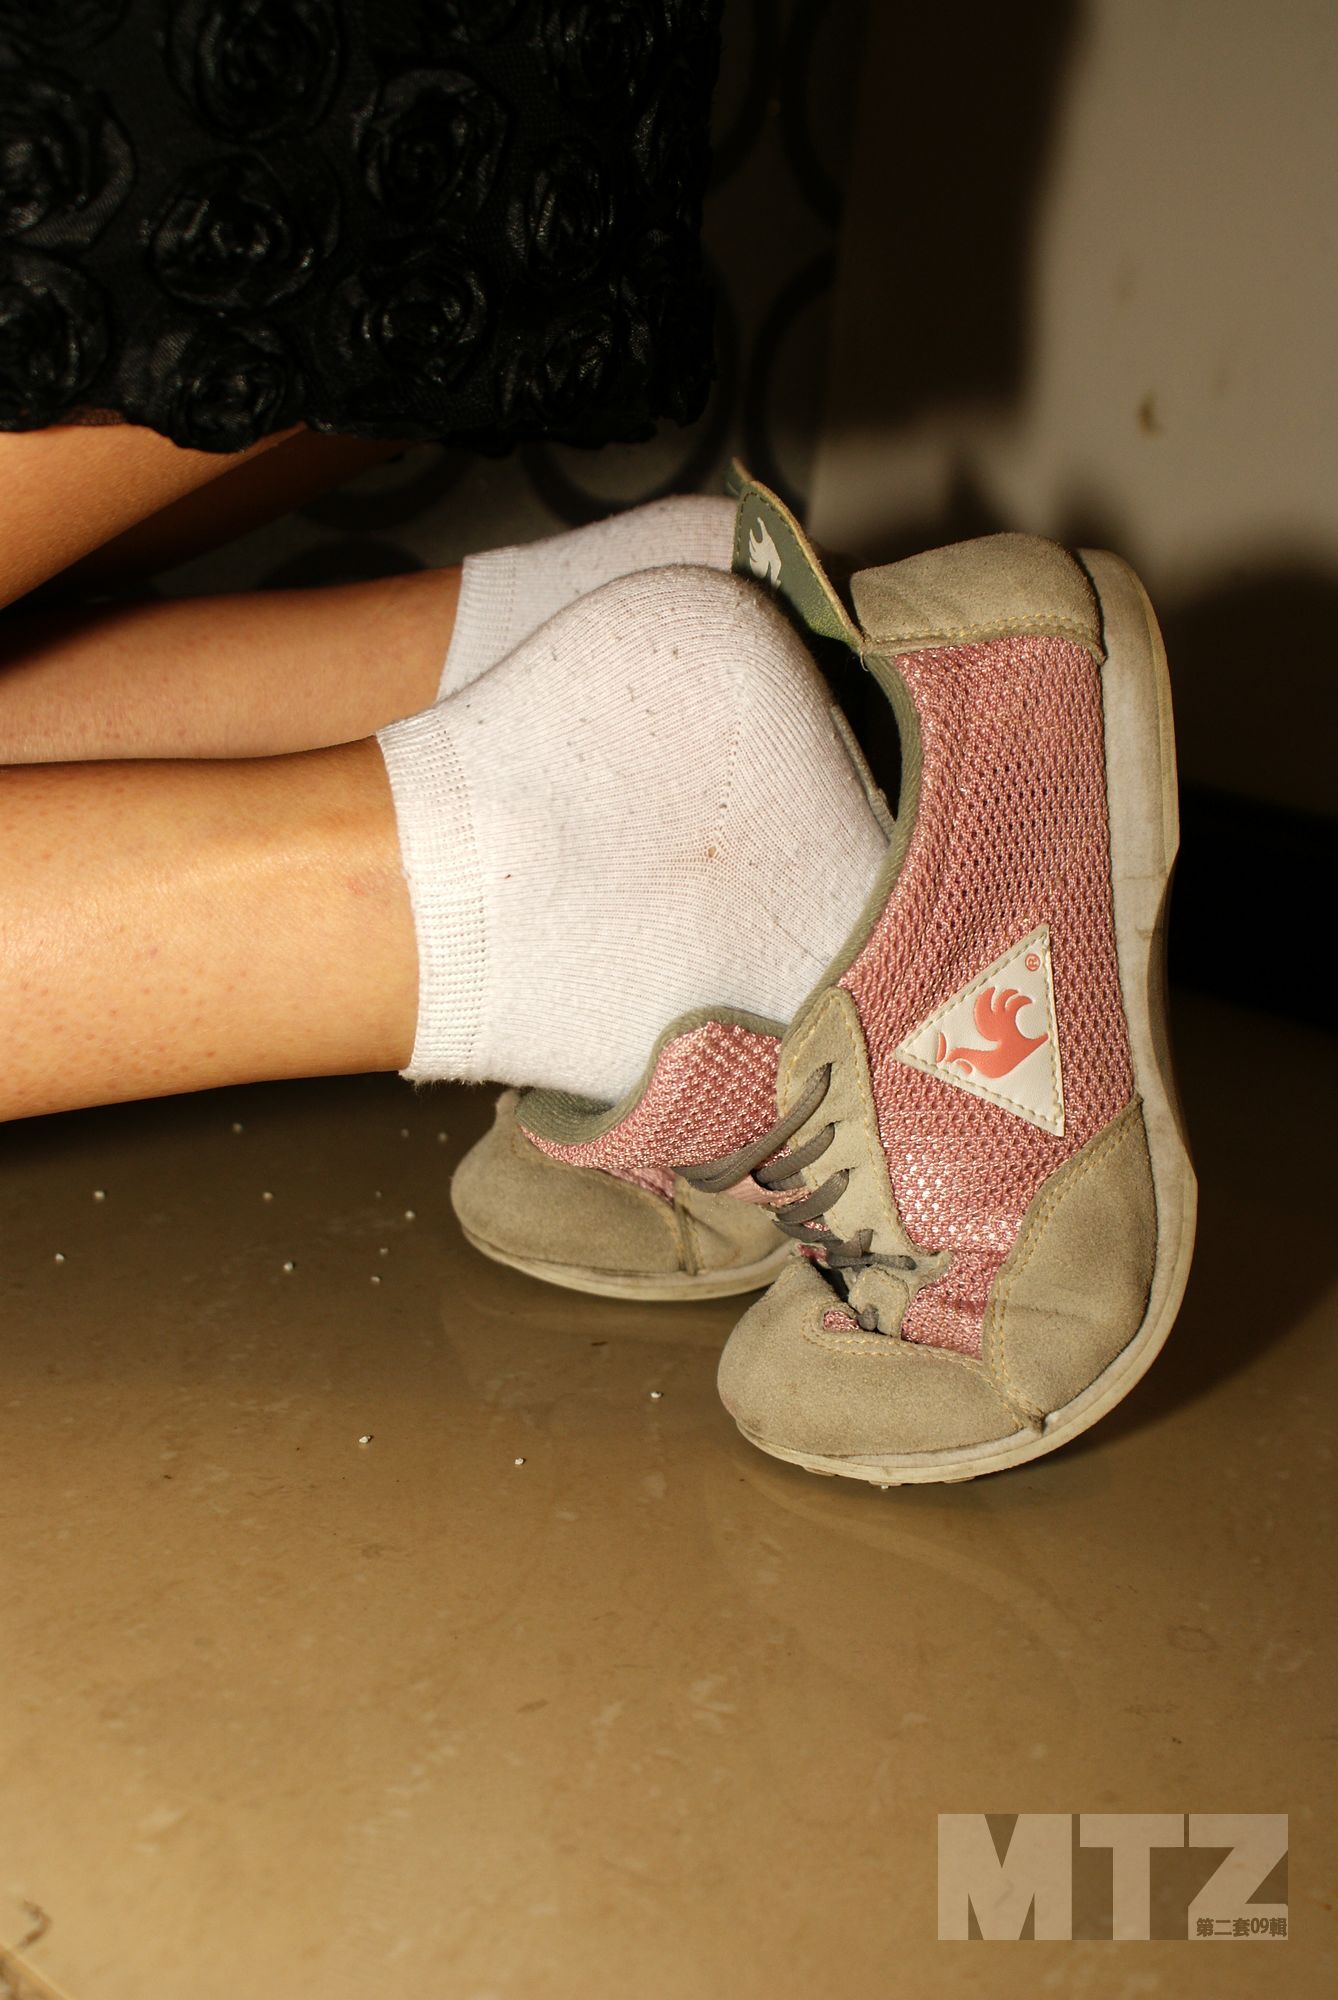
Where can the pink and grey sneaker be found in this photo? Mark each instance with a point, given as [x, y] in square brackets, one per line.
[596, 1197]
[983, 1161]
[969, 1131]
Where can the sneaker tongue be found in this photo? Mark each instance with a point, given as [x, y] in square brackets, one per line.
[771, 547]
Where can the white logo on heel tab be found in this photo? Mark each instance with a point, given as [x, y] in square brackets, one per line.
[763, 555]
[998, 1037]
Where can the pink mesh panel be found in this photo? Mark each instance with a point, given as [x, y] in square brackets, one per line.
[713, 1090]
[1011, 832]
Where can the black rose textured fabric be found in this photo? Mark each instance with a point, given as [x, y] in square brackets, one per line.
[465, 219]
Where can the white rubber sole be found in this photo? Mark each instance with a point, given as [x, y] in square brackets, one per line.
[659, 1287]
[1144, 837]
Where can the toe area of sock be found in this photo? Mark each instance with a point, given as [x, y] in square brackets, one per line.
[797, 1385]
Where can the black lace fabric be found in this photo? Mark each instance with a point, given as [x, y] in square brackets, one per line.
[465, 219]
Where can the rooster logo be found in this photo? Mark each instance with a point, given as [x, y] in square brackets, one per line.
[995, 1017]
[763, 555]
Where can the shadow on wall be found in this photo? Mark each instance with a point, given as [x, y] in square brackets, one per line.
[939, 271]
[1251, 673]
[971, 117]
[971, 114]
[973, 85]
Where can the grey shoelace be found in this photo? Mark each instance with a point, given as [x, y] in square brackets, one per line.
[802, 1219]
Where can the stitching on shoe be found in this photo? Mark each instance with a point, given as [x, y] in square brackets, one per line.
[879, 1347]
[872, 1136]
[523, 1148]
[521, 1143]
[686, 1236]
[1022, 625]
[995, 1329]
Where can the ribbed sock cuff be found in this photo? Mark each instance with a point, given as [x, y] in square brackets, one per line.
[441, 866]
[484, 615]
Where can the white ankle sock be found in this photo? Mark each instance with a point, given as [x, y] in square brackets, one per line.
[646, 808]
[505, 594]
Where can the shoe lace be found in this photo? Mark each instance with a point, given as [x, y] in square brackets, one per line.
[782, 1178]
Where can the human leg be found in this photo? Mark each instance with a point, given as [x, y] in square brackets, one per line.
[68, 490]
[263, 673]
[599, 837]
[253, 489]
[174, 926]
[253, 674]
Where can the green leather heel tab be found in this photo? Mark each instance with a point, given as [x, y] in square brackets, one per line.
[772, 548]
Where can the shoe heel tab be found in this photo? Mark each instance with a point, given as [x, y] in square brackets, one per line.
[997, 587]
[772, 549]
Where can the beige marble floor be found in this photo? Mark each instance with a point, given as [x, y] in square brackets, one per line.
[283, 1714]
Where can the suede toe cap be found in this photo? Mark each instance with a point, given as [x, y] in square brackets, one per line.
[793, 1384]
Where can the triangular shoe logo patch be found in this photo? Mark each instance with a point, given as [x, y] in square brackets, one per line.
[997, 1038]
